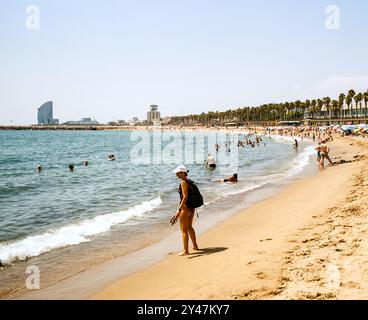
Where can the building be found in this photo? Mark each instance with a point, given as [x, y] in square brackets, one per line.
[82, 122]
[153, 116]
[134, 121]
[45, 114]
[166, 120]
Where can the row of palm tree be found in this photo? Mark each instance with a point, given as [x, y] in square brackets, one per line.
[348, 105]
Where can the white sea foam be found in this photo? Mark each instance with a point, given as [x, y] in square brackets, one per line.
[72, 234]
[297, 165]
[80, 232]
[301, 161]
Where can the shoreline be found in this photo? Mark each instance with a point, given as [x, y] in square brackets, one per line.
[248, 255]
[110, 271]
[108, 274]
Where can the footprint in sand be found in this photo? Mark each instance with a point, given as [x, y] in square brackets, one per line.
[292, 240]
[261, 275]
[351, 285]
[265, 240]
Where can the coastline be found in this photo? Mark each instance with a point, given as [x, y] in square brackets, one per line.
[105, 280]
[95, 278]
[79, 286]
[257, 253]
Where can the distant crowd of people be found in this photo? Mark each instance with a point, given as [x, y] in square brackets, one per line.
[71, 166]
[189, 193]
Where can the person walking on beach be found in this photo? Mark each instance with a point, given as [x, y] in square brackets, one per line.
[185, 214]
[324, 154]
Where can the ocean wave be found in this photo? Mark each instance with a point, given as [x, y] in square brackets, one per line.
[297, 165]
[15, 189]
[72, 234]
[301, 160]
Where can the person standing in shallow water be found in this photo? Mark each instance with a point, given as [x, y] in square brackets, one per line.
[185, 214]
[296, 145]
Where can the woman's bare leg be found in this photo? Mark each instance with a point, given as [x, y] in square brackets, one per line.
[329, 159]
[184, 222]
[191, 231]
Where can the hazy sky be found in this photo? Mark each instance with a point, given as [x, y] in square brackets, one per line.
[109, 58]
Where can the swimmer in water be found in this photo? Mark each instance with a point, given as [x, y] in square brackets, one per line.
[232, 179]
[211, 162]
[39, 168]
[296, 145]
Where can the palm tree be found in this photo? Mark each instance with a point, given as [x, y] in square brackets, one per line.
[313, 107]
[351, 95]
[358, 98]
[348, 101]
[340, 106]
[341, 101]
[319, 107]
[365, 99]
[291, 109]
[326, 102]
[307, 105]
[335, 107]
[281, 111]
[298, 105]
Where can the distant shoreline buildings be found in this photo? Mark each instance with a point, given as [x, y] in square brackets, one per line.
[154, 116]
[45, 114]
[82, 122]
[45, 117]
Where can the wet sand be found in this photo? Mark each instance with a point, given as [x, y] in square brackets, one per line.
[89, 277]
[95, 278]
[307, 242]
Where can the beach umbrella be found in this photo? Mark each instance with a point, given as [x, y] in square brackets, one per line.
[362, 126]
[349, 127]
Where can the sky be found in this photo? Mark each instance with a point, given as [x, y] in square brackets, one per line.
[111, 59]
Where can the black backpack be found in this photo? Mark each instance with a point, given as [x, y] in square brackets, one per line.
[195, 199]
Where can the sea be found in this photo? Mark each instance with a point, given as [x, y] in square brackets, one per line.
[65, 222]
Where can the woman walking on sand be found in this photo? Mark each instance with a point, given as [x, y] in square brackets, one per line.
[185, 214]
[324, 154]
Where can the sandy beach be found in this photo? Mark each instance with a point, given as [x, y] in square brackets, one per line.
[307, 242]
